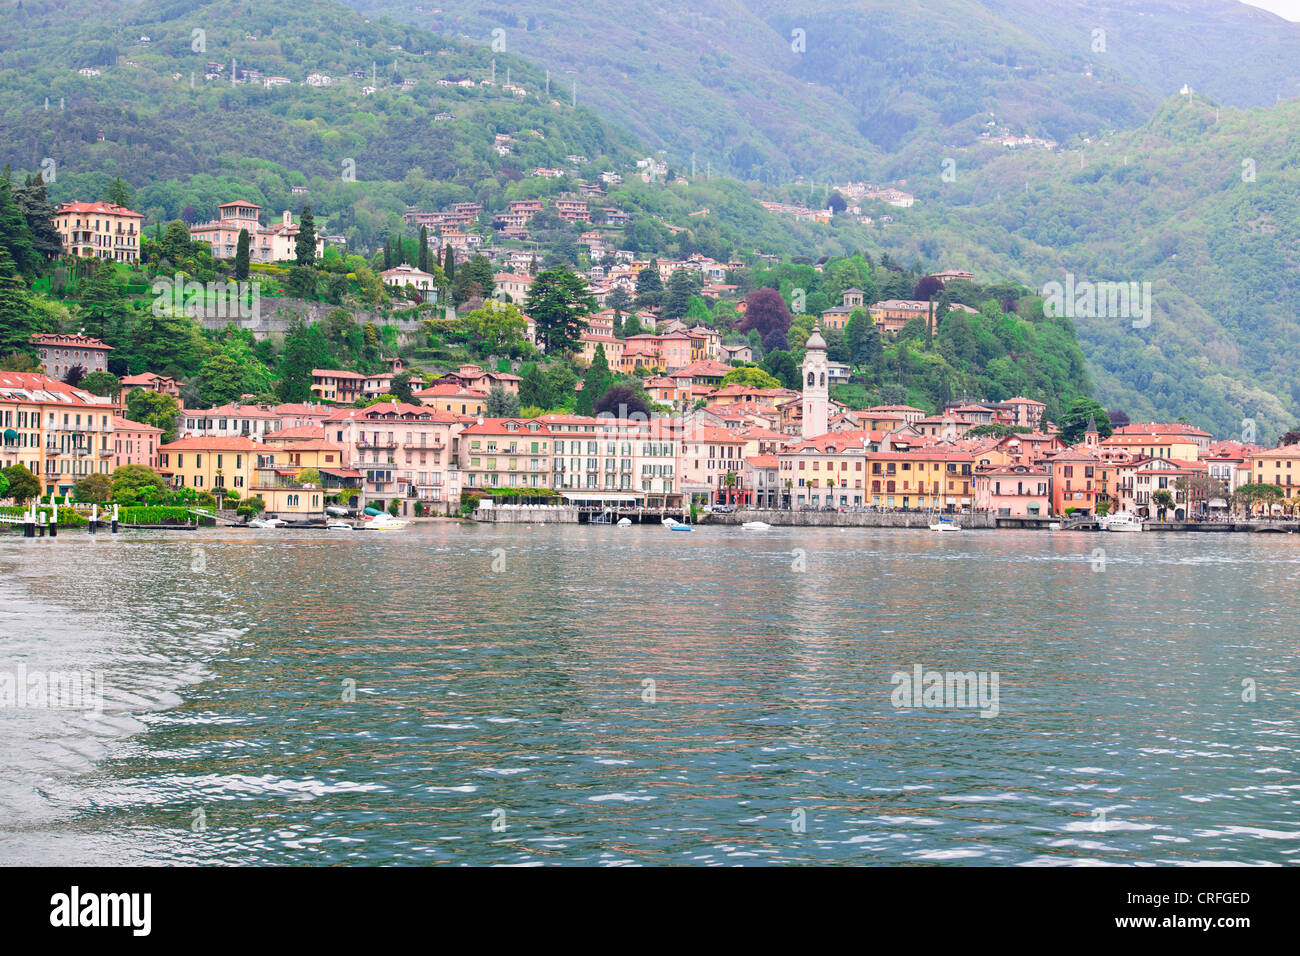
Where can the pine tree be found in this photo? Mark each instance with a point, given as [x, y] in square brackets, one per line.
[119, 193]
[595, 383]
[39, 213]
[15, 236]
[16, 325]
[241, 255]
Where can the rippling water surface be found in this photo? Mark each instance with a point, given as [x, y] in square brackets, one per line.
[479, 695]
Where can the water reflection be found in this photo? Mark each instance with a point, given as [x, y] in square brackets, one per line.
[395, 699]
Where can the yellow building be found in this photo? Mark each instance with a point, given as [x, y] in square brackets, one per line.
[1155, 445]
[212, 464]
[1277, 466]
[60, 433]
[927, 478]
[99, 230]
[278, 476]
[455, 399]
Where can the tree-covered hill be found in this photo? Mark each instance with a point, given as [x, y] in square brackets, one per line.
[775, 89]
[1203, 202]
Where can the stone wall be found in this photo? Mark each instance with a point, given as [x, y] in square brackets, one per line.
[277, 313]
[527, 514]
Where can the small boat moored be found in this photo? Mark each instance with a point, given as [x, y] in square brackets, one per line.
[383, 522]
[1121, 521]
[756, 526]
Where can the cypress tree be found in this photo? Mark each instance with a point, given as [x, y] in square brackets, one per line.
[424, 249]
[305, 246]
[241, 255]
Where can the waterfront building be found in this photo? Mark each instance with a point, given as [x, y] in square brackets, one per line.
[60, 433]
[1142, 477]
[827, 470]
[613, 460]
[402, 452]
[211, 463]
[935, 477]
[135, 443]
[1277, 466]
[278, 476]
[1014, 491]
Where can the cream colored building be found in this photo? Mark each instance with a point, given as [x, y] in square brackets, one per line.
[99, 230]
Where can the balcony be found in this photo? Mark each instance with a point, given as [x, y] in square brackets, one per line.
[377, 443]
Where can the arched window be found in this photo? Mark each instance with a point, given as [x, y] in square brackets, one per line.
[812, 378]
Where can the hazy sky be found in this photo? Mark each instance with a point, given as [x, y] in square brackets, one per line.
[1283, 8]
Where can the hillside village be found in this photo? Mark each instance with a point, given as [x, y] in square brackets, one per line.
[432, 417]
[706, 435]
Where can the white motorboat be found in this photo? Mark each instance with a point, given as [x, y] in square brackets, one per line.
[672, 524]
[383, 523]
[756, 526]
[338, 526]
[267, 523]
[1122, 521]
[624, 523]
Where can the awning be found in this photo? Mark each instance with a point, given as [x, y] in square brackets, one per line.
[10, 435]
[597, 496]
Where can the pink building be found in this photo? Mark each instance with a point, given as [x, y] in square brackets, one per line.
[1014, 491]
[135, 443]
[404, 452]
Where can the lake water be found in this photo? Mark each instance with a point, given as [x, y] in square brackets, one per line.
[606, 696]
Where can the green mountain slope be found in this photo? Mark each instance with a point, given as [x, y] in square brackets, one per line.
[876, 86]
[1202, 202]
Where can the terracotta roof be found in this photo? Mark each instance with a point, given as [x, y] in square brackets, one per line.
[57, 392]
[71, 341]
[103, 208]
[204, 442]
[125, 424]
[297, 434]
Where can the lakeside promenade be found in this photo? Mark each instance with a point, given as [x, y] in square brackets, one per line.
[800, 518]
